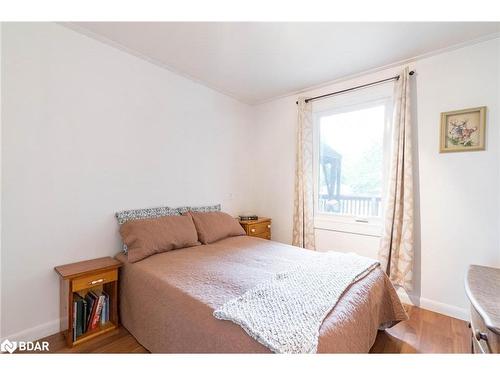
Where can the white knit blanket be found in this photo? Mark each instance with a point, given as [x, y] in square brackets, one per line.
[286, 312]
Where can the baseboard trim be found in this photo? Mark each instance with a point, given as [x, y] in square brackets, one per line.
[36, 333]
[439, 307]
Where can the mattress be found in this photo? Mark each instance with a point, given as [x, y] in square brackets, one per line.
[167, 300]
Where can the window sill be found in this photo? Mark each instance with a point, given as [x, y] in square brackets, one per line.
[349, 224]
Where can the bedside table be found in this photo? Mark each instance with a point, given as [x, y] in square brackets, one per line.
[257, 228]
[99, 276]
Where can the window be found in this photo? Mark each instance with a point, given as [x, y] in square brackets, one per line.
[351, 162]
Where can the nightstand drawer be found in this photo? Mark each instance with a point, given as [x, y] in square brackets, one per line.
[97, 279]
[264, 235]
[485, 341]
[259, 228]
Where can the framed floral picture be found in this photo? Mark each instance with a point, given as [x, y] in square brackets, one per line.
[463, 130]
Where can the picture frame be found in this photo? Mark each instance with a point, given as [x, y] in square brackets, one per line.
[463, 130]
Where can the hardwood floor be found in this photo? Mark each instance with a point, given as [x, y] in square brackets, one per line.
[116, 341]
[424, 332]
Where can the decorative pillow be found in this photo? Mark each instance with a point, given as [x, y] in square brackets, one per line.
[184, 209]
[214, 226]
[146, 237]
[144, 213]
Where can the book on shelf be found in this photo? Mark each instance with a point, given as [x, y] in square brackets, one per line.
[90, 310]
[98, 309]
[73, 330]
[105, 309]
[91, 305]
[80, 296]
[79, 315]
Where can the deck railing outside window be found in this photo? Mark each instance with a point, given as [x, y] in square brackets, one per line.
[350, 205]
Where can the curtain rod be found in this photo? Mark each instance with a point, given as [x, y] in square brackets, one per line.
[395, 78]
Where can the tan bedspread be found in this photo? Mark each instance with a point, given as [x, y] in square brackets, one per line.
[167, 300]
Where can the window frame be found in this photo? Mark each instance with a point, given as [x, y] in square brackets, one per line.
[356, 100]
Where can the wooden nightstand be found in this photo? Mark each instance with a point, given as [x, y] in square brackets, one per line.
[258, 228]
[78, 279]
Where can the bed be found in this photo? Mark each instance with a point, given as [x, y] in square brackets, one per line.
[167, 300]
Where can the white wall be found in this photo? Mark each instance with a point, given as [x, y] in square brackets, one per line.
[458, 191]
[458, 198]
[89, 130]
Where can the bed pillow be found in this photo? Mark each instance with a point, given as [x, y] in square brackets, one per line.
[214, 226]
[144, 213]
[184, 209]
[151, 236]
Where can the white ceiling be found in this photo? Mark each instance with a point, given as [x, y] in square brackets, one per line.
[255, 62]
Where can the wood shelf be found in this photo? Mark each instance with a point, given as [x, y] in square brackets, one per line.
[106, 327]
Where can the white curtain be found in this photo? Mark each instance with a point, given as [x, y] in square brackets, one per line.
[396, 245]
[303, 223]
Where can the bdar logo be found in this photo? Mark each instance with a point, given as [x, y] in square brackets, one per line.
[24, 346]
[8, 346]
